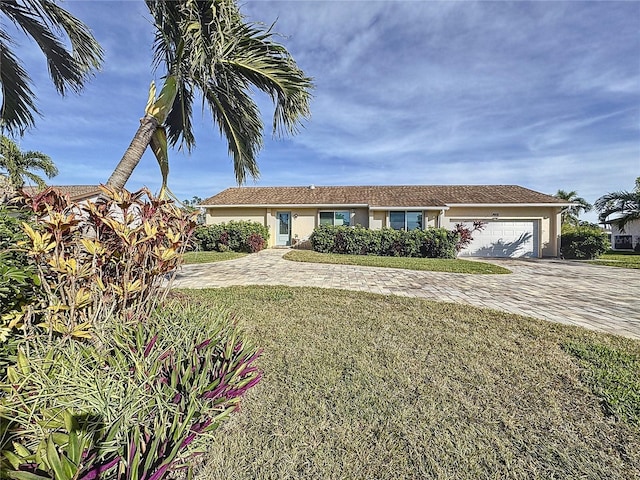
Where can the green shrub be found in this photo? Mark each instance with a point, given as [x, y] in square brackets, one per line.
[432, 242]
[137, 406]
[19, 281]
[237, 236]
[101, 259]
[585, 241]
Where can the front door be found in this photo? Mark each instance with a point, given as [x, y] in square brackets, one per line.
[283, 228]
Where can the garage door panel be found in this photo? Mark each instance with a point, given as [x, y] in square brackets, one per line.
[511, 239]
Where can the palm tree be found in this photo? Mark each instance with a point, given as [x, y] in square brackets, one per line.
[624, 205]
[570, 215]
[206, 48]
[19, 165]
[50, 27]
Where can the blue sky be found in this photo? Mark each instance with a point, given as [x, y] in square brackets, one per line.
[541, 94]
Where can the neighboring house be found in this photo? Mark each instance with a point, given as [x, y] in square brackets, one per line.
[77, 193]
[628, 239]
[519, 222]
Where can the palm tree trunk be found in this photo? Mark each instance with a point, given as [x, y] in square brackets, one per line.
[133, 155]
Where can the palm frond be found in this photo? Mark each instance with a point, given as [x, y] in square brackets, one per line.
[270, 68]
[624, 206]
[86, 51]
[238, 118]
[62, 67]
[50, 27]
[18, 108]
[40, 161]
[178, 122]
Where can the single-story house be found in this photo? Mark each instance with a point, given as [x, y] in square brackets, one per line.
[77, 193]
[627, 240]
[518, 222]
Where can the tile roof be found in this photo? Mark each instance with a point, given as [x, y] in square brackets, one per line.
[75, 192]
[381, 196]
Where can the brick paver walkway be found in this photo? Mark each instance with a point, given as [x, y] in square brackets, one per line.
[595, 297]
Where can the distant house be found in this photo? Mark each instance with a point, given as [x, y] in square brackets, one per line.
[519, 222]
[77, 193]
[627, 240]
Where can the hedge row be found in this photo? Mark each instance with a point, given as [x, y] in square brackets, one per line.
[585, 241]
[431, 243]
[241, 236]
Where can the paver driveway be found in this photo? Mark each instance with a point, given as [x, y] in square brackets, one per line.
[596, 297]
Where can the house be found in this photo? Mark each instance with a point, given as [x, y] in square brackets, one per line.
[77, 193]
[518, 222]
[627, 240]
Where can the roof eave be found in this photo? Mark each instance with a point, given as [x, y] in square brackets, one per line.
[510, 204]
[290, 205]
[421, 207]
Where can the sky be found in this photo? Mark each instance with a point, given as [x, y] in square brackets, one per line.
[542, 94]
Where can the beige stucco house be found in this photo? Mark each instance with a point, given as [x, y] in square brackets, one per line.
[518, 222]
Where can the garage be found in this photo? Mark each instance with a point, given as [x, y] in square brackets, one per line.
[507, 239]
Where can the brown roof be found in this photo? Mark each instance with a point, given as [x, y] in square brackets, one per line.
[75, 192]
[381, 196]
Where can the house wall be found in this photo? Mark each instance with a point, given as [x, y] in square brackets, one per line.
[304, 220]
[377, 219]
[224, 215]
[360, 216]
[548, 218]
[631, 229]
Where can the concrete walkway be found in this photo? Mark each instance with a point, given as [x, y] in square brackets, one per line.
[596, 297]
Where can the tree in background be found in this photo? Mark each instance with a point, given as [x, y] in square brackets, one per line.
[571, 214]
[18, 165]
[193, 203]
[50, 27]
[206, 48]
[623, 205]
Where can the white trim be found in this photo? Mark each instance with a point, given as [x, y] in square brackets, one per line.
[292, 205]
[411, 209]
[364, 205]
[509, 204]
[491, 218]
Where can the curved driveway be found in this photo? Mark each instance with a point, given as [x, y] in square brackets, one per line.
[596, 297]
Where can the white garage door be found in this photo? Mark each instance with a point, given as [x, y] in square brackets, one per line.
[502, 239]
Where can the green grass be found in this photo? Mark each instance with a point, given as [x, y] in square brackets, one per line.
[614, 376]
[209, 257]
[618, 259]
[430, 264]
[359, 385]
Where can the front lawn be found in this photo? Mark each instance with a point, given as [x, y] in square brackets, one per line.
[409, 263]
[209, 257]
[359, 385]
[618, 259]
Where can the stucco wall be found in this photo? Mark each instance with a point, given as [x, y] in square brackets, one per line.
[304, 220]
[548, 218]
[377, 219]
[224, 215]
[631, 228]
[360, 217]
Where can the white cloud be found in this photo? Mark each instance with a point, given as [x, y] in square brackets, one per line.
[542, 94]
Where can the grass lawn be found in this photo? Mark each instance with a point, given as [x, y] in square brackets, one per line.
[208, 257]
[359, 385]
[618, 259]
[430, 264]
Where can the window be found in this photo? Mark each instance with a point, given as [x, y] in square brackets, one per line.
[335, 218]
[405, 220]
[623, 242]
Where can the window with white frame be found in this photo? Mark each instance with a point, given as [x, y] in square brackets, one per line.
[623, 242]
[405, 220]
[335, 218]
